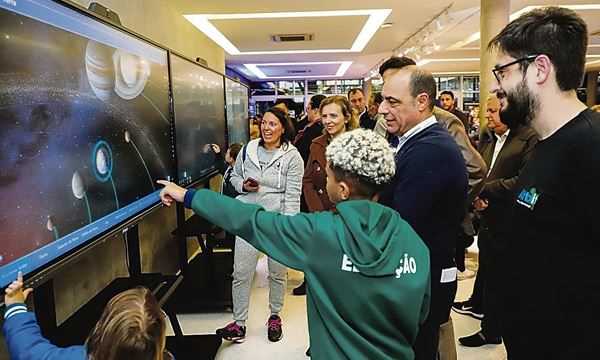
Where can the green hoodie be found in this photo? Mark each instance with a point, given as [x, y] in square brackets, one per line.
[367, 271]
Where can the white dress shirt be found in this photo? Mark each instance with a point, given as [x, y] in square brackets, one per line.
[500, 140]
[414, 131]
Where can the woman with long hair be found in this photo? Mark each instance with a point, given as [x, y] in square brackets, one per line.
[268, 171]
[337, 117]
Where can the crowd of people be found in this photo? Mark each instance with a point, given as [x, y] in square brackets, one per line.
[375, 201]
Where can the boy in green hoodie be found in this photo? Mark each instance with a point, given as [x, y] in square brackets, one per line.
[367, 270]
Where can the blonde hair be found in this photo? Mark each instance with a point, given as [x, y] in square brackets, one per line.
[596, 108]
[344, 104]
[132, 327]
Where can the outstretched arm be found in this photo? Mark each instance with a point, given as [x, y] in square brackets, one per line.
[284, 238]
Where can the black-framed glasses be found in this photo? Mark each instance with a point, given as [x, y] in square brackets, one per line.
[499, 69]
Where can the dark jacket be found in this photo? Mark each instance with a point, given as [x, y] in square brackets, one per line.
[500, 185]
[305, 136]
[227, 187]
[429, 191]
[366, 122]
[24, 338]
[367, 271]
[315, 179]
[462, 117]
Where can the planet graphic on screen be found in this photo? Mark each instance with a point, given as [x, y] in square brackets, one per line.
[102, 161]
[49, 224]
[77, 186]
[131, 74]
[100, 69]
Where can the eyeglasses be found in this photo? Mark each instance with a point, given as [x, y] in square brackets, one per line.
[498, 70]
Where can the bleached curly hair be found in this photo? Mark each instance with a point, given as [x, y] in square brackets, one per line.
[362, 153]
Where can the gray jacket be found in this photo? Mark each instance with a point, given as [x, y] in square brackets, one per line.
[280, 182]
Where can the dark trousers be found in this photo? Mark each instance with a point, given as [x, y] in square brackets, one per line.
[476, 298]
[462, 243]
[428, 338]
[442, 296]
[490, 266]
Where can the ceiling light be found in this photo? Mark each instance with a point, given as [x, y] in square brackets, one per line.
[427, 61]
[376, 17]
[343, 68]
[456, 73]
[515, 15]
[386, 25]
[255, 71]
[344, 65]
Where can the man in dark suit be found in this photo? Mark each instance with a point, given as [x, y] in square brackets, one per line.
[505, 151]
[430, 187]
[448, 103]
[359, 104]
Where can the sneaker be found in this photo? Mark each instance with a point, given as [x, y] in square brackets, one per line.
[466, 308]
[274, 332]
[233, 332]
[478, 339]
[300, 290]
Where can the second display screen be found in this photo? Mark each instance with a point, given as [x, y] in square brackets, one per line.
[199, 104]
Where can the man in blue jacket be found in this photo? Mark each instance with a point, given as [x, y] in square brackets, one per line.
[430, 187]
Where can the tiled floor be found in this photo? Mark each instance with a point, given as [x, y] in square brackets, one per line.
[295, 340]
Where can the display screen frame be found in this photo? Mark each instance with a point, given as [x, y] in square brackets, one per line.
[41, 273]
[213, 170]
[247, 134]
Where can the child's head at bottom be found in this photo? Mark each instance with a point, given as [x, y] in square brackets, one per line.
[131, 327]
[359, 164]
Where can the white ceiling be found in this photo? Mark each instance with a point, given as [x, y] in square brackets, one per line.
[340, 32]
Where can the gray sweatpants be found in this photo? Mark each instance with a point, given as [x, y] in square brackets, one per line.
[244, 267]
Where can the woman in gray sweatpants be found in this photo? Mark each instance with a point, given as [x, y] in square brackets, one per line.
[268, 171]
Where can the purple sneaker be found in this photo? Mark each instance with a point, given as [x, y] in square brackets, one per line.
[274, 331]
[233, 332]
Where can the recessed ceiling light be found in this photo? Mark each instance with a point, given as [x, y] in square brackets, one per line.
[427, 61]
[344, 65]
[476, 36]
[376, 18]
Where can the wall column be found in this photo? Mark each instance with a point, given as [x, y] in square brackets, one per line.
[493, 18]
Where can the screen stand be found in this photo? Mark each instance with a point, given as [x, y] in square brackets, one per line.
[45, 309]
[132, 243]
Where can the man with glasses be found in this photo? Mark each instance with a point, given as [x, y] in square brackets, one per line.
[551, 292]
[506, 151]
